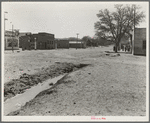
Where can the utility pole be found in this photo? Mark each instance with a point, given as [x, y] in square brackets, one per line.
[29, 42]
[133, 35]
[133, 38]
[35, 43]
[77, 40]
[55, 43]
[12, 39]
[4, 28]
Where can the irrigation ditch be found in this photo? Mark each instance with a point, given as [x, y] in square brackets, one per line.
[29, 86]
[26, 81]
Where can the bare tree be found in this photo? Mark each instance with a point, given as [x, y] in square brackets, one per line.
[119, 23]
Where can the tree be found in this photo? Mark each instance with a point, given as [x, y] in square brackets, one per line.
[116, 24]
[88, 40]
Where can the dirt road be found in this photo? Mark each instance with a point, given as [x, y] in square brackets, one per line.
[113, 85]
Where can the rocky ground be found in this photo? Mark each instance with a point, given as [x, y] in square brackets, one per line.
[112, 85]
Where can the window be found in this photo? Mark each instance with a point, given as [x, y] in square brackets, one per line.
[144, 44]
[51, 42]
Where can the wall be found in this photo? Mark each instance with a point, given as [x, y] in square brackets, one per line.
[45, 41]
[62, 44]
[139, 36]
[25, 42]
[74, 44]
[20, 36]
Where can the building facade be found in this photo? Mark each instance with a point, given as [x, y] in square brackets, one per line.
[77, 44]
[62, 44]
[37, 41]
[11, 41]
[139, 41]
[25, 42]
[44, 41]
[21, 35]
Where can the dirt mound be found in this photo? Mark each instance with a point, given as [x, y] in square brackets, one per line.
[26, 81]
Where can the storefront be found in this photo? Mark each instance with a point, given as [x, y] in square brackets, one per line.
[11, 41]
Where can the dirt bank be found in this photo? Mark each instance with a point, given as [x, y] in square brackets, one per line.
[103, 89]
[26, 81]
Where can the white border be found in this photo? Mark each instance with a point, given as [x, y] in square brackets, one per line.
[147, 63]
[77, 118]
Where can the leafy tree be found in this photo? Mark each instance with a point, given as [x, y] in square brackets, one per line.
[88, 40]
[116, 24]
[85, 38]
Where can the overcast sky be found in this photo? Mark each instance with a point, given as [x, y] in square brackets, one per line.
[64, 19]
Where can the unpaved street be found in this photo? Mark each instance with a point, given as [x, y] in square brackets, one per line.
[111, 84]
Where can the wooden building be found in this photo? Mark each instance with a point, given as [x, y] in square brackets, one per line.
[77, 44]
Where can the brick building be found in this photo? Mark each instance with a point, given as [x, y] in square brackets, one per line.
[37, 41]
[139, 41]
[44, 40]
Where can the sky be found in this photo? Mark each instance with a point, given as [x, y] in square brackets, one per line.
[63, 19]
